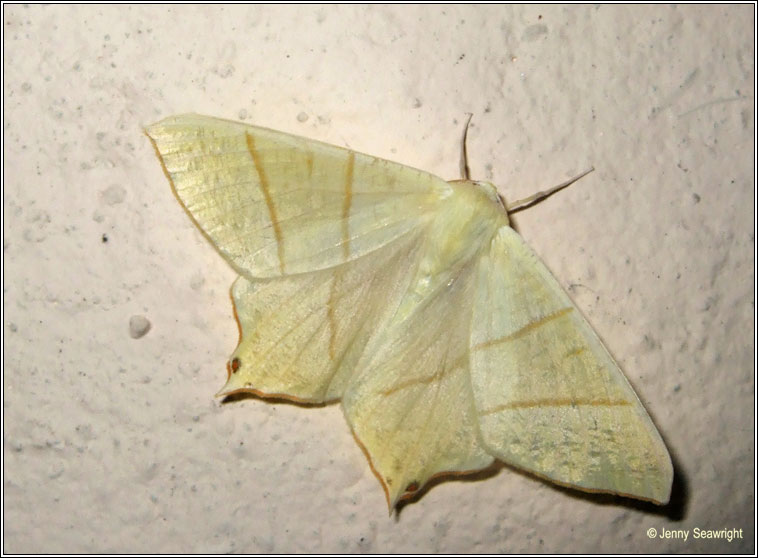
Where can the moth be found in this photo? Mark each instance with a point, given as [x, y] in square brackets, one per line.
[413, 302]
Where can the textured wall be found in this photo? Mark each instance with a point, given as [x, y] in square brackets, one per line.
[116, 444]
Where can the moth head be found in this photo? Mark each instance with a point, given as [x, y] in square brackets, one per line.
[489, 192]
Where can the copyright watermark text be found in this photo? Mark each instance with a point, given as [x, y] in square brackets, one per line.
[697, 533]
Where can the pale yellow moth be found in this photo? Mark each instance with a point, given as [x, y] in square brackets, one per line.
[413, 302]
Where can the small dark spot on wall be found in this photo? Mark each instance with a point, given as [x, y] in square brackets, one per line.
[138, 326]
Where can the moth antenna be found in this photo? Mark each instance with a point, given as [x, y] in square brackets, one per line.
[540, 196]
[465, 173]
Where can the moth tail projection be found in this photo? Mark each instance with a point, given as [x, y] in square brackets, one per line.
[410, 404]
[396, 496]
[301, 335]
[549, 397]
